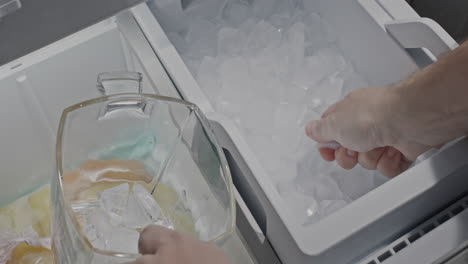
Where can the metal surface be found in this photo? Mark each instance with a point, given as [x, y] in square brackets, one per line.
[39, 23]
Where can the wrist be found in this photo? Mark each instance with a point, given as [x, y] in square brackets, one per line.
[423, 113]
[390, 115]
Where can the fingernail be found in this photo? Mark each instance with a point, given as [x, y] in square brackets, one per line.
[391, 152]
[330, 145]
[351, 153]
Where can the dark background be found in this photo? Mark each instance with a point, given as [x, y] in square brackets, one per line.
[452, 15]
[41, 22]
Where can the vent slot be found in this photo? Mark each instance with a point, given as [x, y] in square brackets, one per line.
[384, 256]
[400, 244]
[414, 237]
[428, 228]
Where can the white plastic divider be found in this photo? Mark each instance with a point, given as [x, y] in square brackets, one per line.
[372, 220]
[408, 28]
[422, 33]
[35, 88]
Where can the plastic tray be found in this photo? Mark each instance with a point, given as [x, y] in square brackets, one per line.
[384, 39]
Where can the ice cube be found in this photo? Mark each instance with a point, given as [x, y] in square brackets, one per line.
[262, 39]
[314, 33]
[295, 93]
[304, 147]
[206, 9]
[192, 64]
[147, 202]
[294, 46]
[258, 115]
[329, 31]
[315, 69]
[280, 21]
[287, 118]
[328, 90]
[134, 215]
[318, 33]
[247, 26]
[263, 9]
[178, 41]
[105, 236]
[314, 177]
[355, 183]
[352, 80]
[313, 108]
[301, 205]
[235, 79]
[114, 201]
[208, 77]
[230, 41]
[265, 81]
[331, 59]
[269, 64]
[95, 225]
[266, 152]
[271, 68]
[286, 7]
[202, 36]
[236, 12]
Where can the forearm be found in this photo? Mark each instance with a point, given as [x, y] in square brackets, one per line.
[436, 98]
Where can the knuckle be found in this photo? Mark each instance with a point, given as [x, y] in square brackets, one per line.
[174, 236]
[368, 161]
[144, 235]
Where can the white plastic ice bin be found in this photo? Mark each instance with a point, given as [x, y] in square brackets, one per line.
[386, 41]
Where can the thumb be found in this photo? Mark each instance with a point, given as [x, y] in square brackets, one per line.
[320, 130]
[153, 237]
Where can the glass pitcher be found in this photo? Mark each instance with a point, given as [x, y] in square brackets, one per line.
[128, 160]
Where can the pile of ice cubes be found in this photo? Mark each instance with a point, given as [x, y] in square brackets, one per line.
[271, 67]
[114, 222]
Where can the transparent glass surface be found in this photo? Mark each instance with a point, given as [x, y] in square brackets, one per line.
[130, 160]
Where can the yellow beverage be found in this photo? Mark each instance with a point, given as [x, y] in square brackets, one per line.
[29, 211]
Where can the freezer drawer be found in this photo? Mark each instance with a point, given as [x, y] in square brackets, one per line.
[35, 89]
[372, 34]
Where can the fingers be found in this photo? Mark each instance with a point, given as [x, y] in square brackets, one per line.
[388, 160]
[391, 163]
[327, 154]
[320, 130]
[346, 158]
[153, 237]
[370, 159]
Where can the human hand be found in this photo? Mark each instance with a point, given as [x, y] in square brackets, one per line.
[160, 245]
[368, 125]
